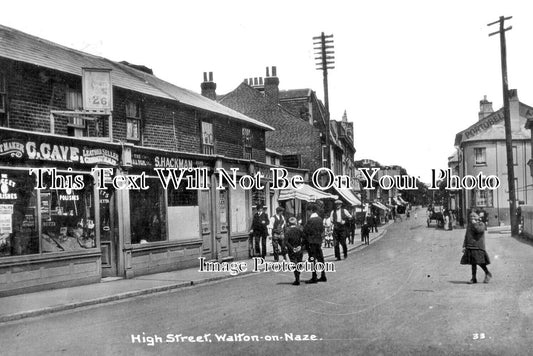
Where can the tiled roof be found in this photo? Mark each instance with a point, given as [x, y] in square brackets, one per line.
[19, 46]
[294, 93]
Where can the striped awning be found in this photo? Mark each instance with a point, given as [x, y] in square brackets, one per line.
[305, 192]
[379, 205]
[349, 196]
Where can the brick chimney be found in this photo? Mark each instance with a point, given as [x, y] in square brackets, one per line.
[209, 87]
[485, 108]
[272, 85]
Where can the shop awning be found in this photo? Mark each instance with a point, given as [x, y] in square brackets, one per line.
[348, 196]
[397, 201]
[305, 192]
[380, 206]
[403, 201]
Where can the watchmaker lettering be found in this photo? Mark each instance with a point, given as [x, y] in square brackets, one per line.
[12, 148]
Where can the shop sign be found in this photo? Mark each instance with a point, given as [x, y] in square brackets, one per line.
[6, 226]
[96, 89]
[99, 156]
[141, 160]
[483, 125]
[5, 184]
[45, 151]
[11, 148]
[6, 208]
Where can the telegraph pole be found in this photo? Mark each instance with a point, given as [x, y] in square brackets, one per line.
[324, 47]
[507, 119]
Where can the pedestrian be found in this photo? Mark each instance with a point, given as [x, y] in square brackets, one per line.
[352, 227]
[259, 230]
[365, 232]
[277, 222]
[328, 233]
[293, 243]
[340, 217]
[313, 232]
[474, 252]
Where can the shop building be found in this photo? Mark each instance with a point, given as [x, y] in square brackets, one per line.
[481, 149]
[58, 235]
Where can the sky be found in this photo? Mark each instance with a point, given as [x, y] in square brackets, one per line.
[410, 74]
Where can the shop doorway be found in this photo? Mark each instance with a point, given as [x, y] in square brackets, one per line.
[222, 235]
[108, 233]
[208, 240]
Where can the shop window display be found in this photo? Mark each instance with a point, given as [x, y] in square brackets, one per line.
[67, 219]
[18, 214]
[148, 222]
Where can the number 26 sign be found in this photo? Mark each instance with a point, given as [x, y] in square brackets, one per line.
[97, 89]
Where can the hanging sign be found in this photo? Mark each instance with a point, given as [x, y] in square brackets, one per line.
[97, 90]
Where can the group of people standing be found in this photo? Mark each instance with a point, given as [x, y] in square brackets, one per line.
[289, 239]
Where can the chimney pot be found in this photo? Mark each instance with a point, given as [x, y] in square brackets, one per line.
[274, 71]
[209, 87]
[267, 72]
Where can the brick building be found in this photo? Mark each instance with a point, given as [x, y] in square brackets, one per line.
[66, 235]
[300, 122]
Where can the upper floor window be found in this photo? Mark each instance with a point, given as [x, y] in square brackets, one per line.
[76, 125]
[480, 155]
[325, 153]
[3, 101]
[247, 142]
[133, 120]
[208, 141]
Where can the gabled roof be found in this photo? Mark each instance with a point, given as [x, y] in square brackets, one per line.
[19, 46]
[251, 102]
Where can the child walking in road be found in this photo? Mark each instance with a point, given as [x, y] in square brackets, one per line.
[474, 252]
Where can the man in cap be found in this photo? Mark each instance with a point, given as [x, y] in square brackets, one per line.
[259, 230]
[340, 217]
[313, 232]
[293, 244]
[277, 222]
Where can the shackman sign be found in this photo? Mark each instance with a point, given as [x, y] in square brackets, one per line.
[97, 89]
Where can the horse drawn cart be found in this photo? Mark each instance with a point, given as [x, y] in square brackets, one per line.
[436, 214]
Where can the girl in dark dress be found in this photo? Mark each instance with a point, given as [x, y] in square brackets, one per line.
[474, 252]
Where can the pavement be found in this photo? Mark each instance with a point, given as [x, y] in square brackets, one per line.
[110, 290]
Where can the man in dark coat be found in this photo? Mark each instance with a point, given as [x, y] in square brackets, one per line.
[260, 230]
[314, 232]
[277, 222]
[340, 218]
[293, 244]
[474, 252]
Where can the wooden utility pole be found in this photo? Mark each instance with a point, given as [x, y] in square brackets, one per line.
[507, 119]
[324, 47]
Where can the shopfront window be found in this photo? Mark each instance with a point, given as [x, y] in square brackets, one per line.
[67, 219]
[482, 198]
[183, 213]
[18, 214]
[238, 211]
[66, 216]
[148, 220]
